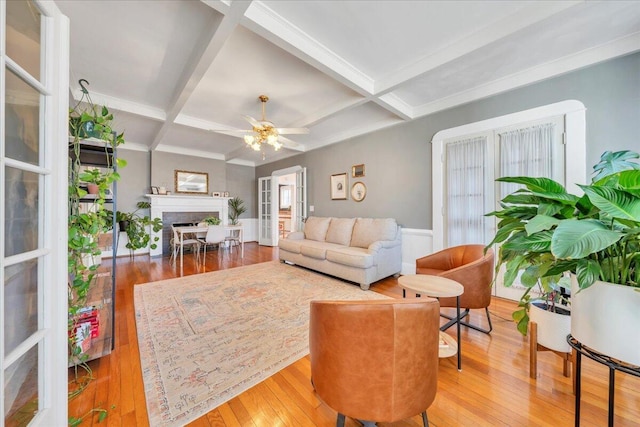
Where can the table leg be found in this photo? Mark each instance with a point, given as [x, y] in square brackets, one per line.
[181, 251]
[459, 342]
[242, 243]
[612, 387]
[578, 371]
[404, 293]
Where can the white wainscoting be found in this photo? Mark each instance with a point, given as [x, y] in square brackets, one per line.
[416, 243]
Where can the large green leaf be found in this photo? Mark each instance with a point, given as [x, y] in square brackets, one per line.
[541, 185]
[612, 162]
[587, 272]
[540, 223]
[616, 203]
[521, 199]
[629, 180]
[537, 242]
[578, 238]
[564, 198]
[505, 228]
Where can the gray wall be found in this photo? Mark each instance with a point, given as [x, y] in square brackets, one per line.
[398, 159]
[157, 168]
[134, 179]
[164, 165]
[241, 182]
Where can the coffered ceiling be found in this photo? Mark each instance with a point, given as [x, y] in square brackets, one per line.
[180, 74]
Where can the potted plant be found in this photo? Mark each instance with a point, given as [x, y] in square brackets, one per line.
[85, 229]
[547, 232]
[212, 220]
[236, 208]
[137, 226]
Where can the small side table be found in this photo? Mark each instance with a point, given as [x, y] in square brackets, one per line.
[613, 365]
[436, 286]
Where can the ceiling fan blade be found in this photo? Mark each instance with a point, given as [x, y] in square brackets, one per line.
[232, 131]
[253, 122]
[287, 142]
[292, 131]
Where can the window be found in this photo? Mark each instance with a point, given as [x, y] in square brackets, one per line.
[468, 159]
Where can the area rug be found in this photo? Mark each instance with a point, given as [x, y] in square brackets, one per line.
[206, 338]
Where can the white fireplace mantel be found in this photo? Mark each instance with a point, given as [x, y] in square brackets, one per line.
[174, 203]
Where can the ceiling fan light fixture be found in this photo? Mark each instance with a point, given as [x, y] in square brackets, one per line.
[265, 131]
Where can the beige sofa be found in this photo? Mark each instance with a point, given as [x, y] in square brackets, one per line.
[360, 250]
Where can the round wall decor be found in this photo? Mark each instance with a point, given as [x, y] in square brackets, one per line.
[358, 191]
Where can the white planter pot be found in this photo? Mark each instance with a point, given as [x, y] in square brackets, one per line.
[553, 328]
[605, 317]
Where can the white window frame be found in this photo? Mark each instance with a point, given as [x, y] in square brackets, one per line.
[575, 151]
[53, 217]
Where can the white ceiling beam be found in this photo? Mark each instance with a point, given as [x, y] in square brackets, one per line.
[329, 111]
[264, 21]
[394, 104]
[352, 133]
[122, 105]
[210, 45]
[528, 15]
[535, 74]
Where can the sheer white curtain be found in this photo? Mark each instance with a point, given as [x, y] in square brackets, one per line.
[526, 152]
[465, 191]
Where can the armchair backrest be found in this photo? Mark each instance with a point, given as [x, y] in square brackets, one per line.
[469, 266]
[375, 360]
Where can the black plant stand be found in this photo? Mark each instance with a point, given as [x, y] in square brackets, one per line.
[613, 365]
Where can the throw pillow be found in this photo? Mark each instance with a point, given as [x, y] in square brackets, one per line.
[315, 228]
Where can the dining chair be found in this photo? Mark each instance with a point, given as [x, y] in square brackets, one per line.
[233, 238]
[216, 234]
[194, 244]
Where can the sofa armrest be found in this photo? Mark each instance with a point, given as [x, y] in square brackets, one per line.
[296, 235]
[376, 246]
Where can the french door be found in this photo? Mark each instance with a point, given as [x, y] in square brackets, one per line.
[33, 212]
[268, 204]
[267, 225]
[467, 160]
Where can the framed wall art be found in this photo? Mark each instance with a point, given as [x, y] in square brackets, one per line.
[357, 171]
[192, 182]
[339, 186]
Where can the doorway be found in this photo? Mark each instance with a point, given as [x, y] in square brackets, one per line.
[282, 204]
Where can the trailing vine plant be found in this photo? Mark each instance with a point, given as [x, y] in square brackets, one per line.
[86, 121]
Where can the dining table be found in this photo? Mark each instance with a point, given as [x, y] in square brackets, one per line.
[188, 229]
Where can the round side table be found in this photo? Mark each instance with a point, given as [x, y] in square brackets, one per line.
[436, 286]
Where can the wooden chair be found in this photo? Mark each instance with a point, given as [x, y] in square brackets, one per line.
[375, 360]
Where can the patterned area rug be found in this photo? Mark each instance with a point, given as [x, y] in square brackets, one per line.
[206, 338]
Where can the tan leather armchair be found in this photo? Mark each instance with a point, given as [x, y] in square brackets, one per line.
[375, 360]
[473, 269]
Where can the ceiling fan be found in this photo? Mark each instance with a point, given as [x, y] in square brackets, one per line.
[264, 131]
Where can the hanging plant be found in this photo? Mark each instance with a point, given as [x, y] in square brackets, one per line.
[86, 121]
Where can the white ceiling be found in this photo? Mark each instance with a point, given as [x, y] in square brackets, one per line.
[174, 71]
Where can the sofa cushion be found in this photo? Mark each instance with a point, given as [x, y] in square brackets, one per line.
[369, 230]
[290, 245]
[340, 230]
[315, 228]
[314, 249]
[353, 257]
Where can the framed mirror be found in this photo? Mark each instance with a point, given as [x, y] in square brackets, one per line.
[188, 182]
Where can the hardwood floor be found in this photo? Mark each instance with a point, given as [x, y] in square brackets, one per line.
[493, 389]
